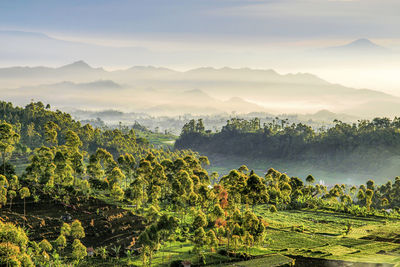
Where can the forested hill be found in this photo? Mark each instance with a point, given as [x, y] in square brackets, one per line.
[365, 144]
[37, 125]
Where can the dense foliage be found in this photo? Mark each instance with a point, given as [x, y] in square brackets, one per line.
[172, 190]
[364, 142]
[37, 125]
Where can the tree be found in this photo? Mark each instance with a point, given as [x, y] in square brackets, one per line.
[199, 238]
[13, 246]
[360, 195]
[204, 161]
[127, 164]
[149, 240]
[13, 182]
[273, 209]
[11, 195]
[115, 177]
[8, 138]
[200, 220]
[77, 230]
[368, 198]
[370, 184]
[214, 178]
[385, 202]
[61, 242]
[24, 193]
[248, 240]
[72, 140]
[65, 229]
[243, 169]
[310, 179]
[152, 213]
[76, 163]
[256, 190]
[117, 193]
[78, 250]
[45, 245]
[212, 239]
[50, 132]
[217, 212]
[3, 190]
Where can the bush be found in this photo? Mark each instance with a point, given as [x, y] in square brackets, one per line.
[273, 209]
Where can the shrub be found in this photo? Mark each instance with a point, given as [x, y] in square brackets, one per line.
[273, 209]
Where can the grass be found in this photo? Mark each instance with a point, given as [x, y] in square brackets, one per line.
[158, 139]
[172, 251]
[324, 236]
[271, 261]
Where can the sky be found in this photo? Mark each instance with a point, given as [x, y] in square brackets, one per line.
[237, 33]
[254, 19]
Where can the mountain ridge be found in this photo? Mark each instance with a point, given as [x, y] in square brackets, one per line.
[243, 87]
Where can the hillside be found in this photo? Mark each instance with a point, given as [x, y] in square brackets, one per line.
[96, 197]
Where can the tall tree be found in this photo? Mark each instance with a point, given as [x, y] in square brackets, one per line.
[8, 138]
[24, 193]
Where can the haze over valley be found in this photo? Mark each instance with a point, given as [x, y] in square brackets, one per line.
[162, 91]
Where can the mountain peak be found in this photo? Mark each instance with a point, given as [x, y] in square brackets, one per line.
[363, 43]
[77, 65]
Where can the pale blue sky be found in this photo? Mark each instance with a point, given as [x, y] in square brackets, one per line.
[288, 19]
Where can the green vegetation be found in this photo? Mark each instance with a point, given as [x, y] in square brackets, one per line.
[128, 203]
[366, 146]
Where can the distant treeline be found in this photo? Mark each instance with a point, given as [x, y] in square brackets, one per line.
[281, 140]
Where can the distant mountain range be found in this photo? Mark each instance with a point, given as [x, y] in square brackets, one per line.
[199, 91]
[19, 47]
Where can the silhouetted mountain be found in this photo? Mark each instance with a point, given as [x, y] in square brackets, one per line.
[363, 44]
[77, 65]
[145, 88]
[359, 46]
[328, 117]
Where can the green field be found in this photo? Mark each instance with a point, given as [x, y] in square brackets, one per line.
[306, 233]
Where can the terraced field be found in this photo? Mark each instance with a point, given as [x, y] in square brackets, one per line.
[104, 223]
[306, 238]
[323, 235]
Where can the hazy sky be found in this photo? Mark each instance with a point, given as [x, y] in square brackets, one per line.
[237, 33]
[277, 19]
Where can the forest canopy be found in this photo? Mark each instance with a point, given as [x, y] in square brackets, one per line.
[367, 143]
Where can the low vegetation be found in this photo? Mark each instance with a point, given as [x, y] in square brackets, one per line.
[90, 197]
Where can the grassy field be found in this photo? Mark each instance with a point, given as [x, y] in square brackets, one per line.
[322, 234]
[308, 234]
[158, 139]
